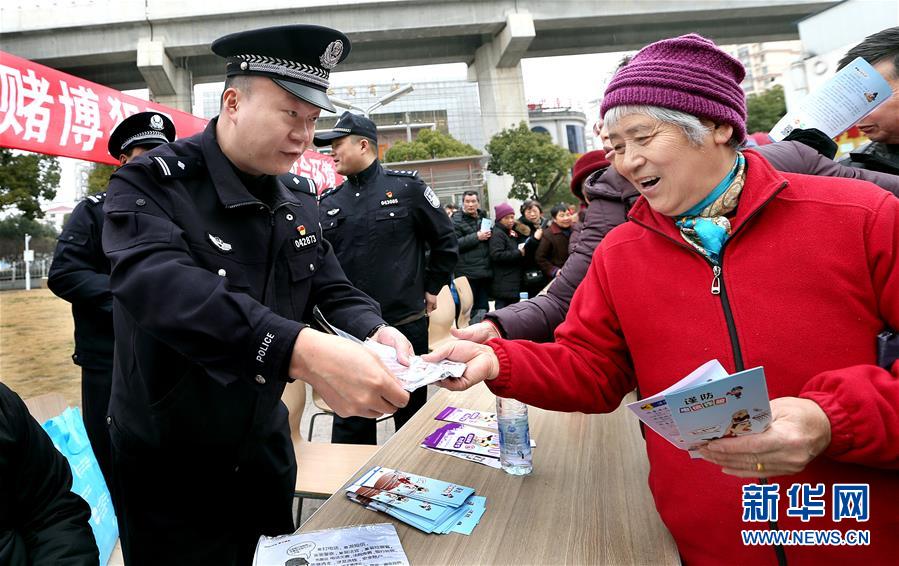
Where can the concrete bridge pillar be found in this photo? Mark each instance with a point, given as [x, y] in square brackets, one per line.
[497, 70]
[168, 83]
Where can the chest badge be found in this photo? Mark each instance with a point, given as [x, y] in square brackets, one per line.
[333, 211]
[220, 244]
[304, 241]
[389, 194]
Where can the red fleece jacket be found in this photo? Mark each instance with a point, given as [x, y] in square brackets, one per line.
[809, 278]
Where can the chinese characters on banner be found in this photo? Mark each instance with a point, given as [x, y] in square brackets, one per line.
[46, 111]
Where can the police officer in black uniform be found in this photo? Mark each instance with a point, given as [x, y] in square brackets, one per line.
[217, 256]
[80, 275]
[379, 222]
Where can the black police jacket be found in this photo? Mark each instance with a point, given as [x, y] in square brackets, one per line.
[41, 520]
[80, 275]
[379, 223]
[209, 284]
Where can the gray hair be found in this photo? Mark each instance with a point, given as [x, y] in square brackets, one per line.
[693, 128]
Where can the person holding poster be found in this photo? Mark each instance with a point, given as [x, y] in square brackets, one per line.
[726, 258]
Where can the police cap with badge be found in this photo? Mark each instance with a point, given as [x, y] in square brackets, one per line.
[348, 124]
[298, 58]
[144, 129]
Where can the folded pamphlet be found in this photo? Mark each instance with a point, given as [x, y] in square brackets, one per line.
[468, 417]
[365, 545]
[706, 405]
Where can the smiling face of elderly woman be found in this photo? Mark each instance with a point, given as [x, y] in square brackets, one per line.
[673, 159]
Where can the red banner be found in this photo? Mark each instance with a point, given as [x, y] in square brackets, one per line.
[47, 111]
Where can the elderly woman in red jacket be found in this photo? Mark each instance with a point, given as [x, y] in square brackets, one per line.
[727, 258]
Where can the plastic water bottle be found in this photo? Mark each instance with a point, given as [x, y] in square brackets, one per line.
[514, 438]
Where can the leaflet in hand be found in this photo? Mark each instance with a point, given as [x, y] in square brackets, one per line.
[366, 545]
[708, 404]
[843, 100]
[427, 504]
[419, 373]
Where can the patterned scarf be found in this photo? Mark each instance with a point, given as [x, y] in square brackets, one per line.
[705, 226]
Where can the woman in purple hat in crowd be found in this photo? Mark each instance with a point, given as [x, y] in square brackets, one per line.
[726, 258]
[507, 255]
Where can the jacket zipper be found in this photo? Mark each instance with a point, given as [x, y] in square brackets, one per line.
[718, 288]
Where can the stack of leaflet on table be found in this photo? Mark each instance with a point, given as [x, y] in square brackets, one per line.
[470, 435]
[430, 505]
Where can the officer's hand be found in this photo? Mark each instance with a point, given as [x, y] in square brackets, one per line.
[481, 363]
[351, 379]
[479, 333]
[430, 302]
[390, 336]
[484, 235]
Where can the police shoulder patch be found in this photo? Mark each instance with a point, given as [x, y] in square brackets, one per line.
[95, 199]
[432, 197]
[173, 166]
[299, 184]
[329, 192]
[403, 173]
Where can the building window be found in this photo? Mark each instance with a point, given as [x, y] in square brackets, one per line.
[576, 142]
[540, 130]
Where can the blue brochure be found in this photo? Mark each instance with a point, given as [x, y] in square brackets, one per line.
[427, 504]
[708, 404]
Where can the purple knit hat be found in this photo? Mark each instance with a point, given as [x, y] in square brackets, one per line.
[688, 73]
[502, 210]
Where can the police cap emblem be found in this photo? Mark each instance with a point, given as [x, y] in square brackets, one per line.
[331, 56]
[156, 122]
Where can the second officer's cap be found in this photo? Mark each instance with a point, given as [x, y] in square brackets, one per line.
[299, 58]
[348, 124]
[147, 129]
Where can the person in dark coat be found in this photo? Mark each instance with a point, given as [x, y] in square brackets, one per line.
[218, 260]
[380, 222]
[79, 274]
[507, 254]
[553, 250]
[41, 520]
[532, 279]
[474, 252]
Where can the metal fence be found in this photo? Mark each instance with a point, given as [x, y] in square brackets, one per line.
[12, 275]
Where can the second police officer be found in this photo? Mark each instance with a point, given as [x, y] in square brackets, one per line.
[217, 255]
[380, 223]
[80, 275]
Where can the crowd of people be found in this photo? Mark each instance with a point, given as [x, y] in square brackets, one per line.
[211, 261]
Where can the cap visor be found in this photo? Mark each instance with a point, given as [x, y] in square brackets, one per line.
[325, 138]
[311, 95]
